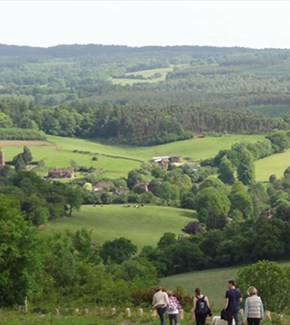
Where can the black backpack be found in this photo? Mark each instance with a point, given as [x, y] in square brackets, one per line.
[201, 306]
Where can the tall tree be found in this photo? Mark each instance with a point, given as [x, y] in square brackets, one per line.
[241, 201]
[226, 171]
[246, 168]
[117, 250]
[212, 207]
[27, 155]
[19, 163]
[19, 255]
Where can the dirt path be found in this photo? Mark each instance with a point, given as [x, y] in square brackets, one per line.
[20, 143]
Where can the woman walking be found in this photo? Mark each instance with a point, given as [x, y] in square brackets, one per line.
[254, 310]
[173, 309]
[160, 303]
[200, 307]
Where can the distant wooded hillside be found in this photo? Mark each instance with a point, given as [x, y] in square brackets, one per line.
[145, 95]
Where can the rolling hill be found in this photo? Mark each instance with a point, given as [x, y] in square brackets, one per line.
[114, 161]
[143, 225]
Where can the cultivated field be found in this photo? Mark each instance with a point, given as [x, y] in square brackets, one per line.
[116, 161]
[144, 225]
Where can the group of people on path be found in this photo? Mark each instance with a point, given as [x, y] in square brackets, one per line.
[166, 302]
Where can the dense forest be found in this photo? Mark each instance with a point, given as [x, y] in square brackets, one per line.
[144, 95]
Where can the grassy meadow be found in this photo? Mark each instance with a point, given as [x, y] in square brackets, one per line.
[275, 164]
[14, 318]
[114, 161]
[196, 149]
[212, 282]
[145, 73]
[143, 226]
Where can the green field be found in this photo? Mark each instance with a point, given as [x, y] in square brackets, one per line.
[212, 282]
[115, 161]
[16, 318]
[144, 73]
[275, 164]
[194, 148]
[144, 225]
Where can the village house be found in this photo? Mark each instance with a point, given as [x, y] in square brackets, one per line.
[195, 167]
[103, 185]
[61, 173]
[164, 161]
[141, 188]
[174, 159]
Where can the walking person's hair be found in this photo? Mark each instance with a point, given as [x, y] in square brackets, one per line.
[197, 291]
[252, 291]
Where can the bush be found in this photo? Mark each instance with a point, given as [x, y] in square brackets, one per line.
[21, 134]
[272, 282]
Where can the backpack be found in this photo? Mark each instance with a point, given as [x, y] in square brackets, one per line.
[201, 306]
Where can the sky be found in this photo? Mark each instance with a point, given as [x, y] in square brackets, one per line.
[246, 23]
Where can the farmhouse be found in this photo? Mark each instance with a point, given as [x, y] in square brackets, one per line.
[195, 167]
[61, 173]
[164, 161]
[174, 159]
[103, 185]
[158, 159]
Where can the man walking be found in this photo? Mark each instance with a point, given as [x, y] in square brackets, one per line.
[160, 303]
[233, 299]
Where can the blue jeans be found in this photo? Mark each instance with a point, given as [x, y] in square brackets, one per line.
[173, 318]
[161, 311]
[231, 315]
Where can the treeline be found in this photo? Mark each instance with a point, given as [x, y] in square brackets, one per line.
[138, 125]
[66, 90]
[237, 225]
[21, 134]
[38, 200]
[239, 159]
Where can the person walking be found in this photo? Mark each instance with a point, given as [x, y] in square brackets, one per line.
[201, 307]
[173, 308]
[233, 298]
[254, 310]
[160, 302]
